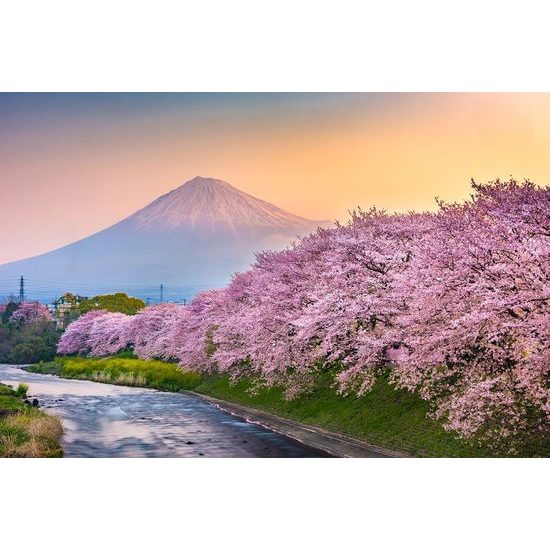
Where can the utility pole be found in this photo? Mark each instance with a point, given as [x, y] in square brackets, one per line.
[161, 293]
[21, 290]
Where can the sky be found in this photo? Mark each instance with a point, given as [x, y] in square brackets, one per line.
[73, 164]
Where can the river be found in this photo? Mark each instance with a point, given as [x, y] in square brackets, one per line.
[103, 420]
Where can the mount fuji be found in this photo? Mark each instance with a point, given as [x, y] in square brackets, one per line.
[198, 234]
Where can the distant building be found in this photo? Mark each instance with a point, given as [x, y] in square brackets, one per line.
[65, 308]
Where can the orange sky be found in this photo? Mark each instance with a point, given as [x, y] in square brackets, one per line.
[73, 164]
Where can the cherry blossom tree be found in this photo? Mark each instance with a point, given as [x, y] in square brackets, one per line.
[474, 336]
[30, 312]
[108, 334]
[76, 338]
[191, 337]
[149, 332]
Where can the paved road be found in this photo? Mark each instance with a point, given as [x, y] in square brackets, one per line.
[101, 420]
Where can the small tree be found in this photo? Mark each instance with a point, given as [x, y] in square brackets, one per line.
[119, 302]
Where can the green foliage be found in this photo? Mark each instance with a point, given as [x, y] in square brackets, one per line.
[28, 343]
[10, 308]
[22, 390]
[26, 431]
[10, 399]
[123, 371]
[5, 390]
[386, 416]
[119, 302]
[126, 354]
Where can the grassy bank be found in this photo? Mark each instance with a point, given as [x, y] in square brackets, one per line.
[122, 370]
[25, 431]
[391, 418]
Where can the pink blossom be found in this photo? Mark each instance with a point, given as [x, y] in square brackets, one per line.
[30, 312]
[77, 337]
[149, 332]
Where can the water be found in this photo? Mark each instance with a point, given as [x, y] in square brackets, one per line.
[101, 420]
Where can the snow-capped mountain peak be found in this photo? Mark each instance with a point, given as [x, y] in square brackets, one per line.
[203, 202]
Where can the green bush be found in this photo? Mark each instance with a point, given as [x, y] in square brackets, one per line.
[5, 389]
[22, 390]
[119, 302]
[28, 343]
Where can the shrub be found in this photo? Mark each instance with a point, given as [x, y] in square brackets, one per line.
[22, 390]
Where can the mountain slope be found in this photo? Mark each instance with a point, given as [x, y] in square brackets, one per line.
[197, 234]
[207, 203]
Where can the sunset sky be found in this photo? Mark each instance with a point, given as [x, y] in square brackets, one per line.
[72, 164]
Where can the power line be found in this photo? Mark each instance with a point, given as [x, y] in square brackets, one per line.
[73, 282]
[45, 291]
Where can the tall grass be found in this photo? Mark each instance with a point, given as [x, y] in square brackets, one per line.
[22, 390]
[26, 432]
[123, 371]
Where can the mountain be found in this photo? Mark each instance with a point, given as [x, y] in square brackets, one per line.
[209, 204]
[198, 234]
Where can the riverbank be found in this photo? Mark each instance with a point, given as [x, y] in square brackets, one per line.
[336, 445]
[26, 431]
[386, 417]
[122, 370]
[120, 421]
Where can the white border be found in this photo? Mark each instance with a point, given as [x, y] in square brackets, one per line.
[63, 45]
[267, 503]
[288, 45]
